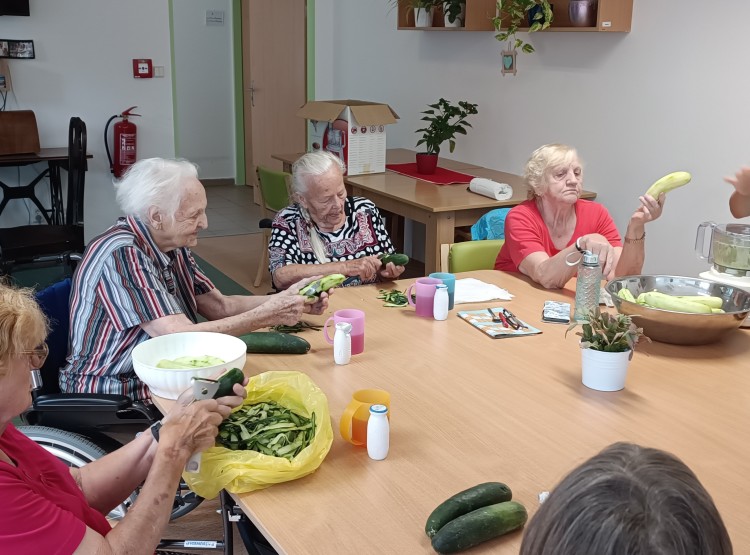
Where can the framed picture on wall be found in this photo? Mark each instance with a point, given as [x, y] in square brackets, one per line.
[23, 49]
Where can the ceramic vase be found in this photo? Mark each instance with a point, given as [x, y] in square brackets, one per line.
[582, 13]
[604, 371]
[422, 17]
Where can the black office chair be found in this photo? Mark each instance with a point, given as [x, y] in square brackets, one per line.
[61, 241]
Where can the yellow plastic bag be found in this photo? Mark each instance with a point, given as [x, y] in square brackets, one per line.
[243, 471]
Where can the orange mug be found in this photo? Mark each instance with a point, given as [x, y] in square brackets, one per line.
[353, 423]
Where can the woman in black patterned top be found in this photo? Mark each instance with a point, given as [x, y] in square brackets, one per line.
[325, 231]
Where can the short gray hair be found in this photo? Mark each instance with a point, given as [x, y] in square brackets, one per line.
[313, 164]
[541, 160]
[153, 182]
[628, 499]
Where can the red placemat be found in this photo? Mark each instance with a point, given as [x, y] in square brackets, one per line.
[440, 177]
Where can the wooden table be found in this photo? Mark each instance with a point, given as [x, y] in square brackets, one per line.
[441, 208]
[55, 159]
[468, 409]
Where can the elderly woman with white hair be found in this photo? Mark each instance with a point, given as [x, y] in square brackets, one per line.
[327, 232]
[546, 233]
[138, 280]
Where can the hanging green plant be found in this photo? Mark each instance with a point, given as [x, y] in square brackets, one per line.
[513, 14]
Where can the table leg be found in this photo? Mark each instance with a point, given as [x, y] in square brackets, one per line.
[57, 209]
[439, 229]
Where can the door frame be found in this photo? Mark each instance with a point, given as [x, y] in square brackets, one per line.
[239, 111]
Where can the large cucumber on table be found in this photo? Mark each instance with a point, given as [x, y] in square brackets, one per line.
[479, 526]
[273, 342]
[466, 501]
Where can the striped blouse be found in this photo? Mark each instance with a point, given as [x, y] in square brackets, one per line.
[124, 280]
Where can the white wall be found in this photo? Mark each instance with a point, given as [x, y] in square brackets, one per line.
[670, 95]
[203, 75]
[83, 67]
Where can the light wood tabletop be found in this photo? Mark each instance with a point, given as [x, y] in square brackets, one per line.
[441, 208]
[468, 409]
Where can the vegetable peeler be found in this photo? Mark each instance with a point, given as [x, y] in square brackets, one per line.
[203, 388]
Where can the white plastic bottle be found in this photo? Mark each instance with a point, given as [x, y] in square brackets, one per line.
[588, 284]
[378, 432]
[342, 343]
[440, 304]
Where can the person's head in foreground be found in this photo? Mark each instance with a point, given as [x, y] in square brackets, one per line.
[628, 500]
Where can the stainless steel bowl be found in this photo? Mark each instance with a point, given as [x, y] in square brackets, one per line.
[681, 328]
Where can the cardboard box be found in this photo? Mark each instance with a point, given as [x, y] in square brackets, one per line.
[353, 130]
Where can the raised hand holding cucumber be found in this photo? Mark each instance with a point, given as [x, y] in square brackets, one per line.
[739, 202]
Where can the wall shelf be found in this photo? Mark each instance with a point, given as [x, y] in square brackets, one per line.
[613, 16]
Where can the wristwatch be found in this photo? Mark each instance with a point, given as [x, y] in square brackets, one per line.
[155, 427]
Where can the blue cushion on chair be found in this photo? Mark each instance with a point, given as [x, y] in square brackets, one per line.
[490, 226]
[55, 303]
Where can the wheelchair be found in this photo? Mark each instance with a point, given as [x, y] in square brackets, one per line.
[80, 428]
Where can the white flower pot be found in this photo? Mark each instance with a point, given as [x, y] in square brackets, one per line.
[422, 17]
[604, 371]
[459, 21]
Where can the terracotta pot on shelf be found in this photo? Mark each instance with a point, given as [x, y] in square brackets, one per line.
[426, 163]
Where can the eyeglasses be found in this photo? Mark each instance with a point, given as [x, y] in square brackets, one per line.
[37, 356]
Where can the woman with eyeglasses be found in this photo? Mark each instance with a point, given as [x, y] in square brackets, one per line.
[46, 507]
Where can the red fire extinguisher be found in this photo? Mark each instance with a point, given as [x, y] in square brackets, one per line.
[124, 135]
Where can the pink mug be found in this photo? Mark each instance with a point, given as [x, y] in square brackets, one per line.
[354, 317]
[425, 288]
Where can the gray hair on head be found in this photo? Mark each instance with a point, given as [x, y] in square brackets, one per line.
[541, 160]
[153, 182]
[628, 499]
[313, 164]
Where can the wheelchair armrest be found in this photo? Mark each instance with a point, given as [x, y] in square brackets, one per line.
[82, 402]
[265, 223]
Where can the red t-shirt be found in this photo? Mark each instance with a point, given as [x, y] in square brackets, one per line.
[526, 232]
[42, 510]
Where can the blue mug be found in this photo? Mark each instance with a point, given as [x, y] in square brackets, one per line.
[450, 281]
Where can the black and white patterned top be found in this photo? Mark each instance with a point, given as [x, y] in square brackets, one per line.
[363, 234]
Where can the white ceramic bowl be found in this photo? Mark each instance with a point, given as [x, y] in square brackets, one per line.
[168, 382]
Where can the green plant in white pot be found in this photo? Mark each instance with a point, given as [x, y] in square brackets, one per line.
[607, 345]
[446, 119]
[454, 12]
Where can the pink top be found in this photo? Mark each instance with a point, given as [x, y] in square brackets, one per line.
[42, 510]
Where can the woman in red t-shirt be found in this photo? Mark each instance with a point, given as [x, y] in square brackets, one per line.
[542, 232]
[49, 508]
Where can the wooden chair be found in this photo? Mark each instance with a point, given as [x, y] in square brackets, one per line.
[20, 134]
[469, 255]
[274, 196]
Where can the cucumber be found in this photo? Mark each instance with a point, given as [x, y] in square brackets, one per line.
[275, 343]
[227, 381]
[397, 258]
[313, 289]
[479, 526]
[466, 501]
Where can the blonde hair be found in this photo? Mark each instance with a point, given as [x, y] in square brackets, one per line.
[23, 325]
[541, 161]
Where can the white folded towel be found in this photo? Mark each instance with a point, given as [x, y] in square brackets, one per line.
[470, 290]
[489, 188]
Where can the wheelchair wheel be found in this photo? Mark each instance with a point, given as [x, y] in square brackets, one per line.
[75, 451]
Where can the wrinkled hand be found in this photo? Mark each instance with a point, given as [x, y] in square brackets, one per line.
[598, 245]
[283, 308]
[192, 426]
[741, 181]
[366, 267]
[649, 210]
[295, 287]
[319, 306]
[391, 271]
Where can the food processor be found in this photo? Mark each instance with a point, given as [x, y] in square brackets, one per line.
[728, 254]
